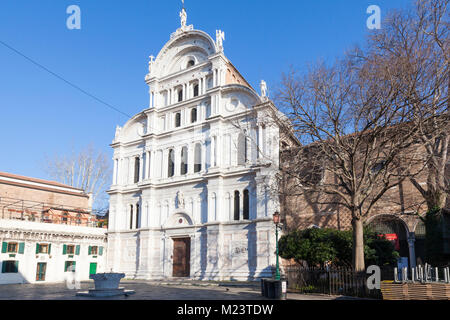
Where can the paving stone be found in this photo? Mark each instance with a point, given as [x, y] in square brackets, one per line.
[149, 290]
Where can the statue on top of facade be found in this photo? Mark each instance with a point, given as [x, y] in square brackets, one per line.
[183, 18]
[116, 135]
[263, 89]
[150, 63]
[220, 37]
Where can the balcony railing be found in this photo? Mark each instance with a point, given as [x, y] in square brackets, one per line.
[26, 210]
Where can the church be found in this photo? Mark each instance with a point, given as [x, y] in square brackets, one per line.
[191, 191]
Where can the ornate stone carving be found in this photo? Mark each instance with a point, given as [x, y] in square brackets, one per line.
[263, 90]
[220, 37]
[150, 64]
[183, 18]
[179, 201]
[118, 129]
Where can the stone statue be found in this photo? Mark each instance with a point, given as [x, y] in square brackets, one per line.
[220, 37]
[263, 89]
[118, 129]
[180, 200]
[183, 18]
[150, 63]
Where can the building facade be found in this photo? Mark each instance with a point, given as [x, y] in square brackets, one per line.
[190, 195]
[397, 214]
[47, 232]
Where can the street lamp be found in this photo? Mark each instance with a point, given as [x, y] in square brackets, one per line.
[276, 220]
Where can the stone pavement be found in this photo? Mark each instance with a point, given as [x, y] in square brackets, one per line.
[152, 290]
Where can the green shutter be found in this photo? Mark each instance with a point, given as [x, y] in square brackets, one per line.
[100, 250]
[74, 266]
[49, 248]
[77, 250]
[37, 248]
[64, 249]
[89, 250]
[4, 247]
[3, 266]
[65, 266]
[16, 266]
[21, 247]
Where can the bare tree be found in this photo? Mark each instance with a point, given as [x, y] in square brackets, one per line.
[365, 121]
[90, 170]
[416, 44]
[355, 136]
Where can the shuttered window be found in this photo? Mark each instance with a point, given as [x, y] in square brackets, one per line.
[10, 266]
[13, 247]
[43, 248]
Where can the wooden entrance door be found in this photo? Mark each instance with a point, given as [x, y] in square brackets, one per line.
[181, 257]
[40, 271]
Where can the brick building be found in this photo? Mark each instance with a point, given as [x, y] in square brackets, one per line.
[396, 214]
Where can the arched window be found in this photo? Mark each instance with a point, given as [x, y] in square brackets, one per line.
[190, 63]
[180, 95]
[177, 119]
[131, 216]
[184, 162]
[136, 169]
[194, 115]
[245, 146]
[241, 149]
[214, 152]
[236, 205]
[198, 158]
[195, 90]
[148, 160]
[171, 164]
[165, 95]
[246, 208]
[137, 216]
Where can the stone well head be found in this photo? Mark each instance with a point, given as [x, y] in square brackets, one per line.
[107, 281]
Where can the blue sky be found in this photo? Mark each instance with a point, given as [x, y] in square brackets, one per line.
[41, 115]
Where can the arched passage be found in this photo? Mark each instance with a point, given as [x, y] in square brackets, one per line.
[393, 229]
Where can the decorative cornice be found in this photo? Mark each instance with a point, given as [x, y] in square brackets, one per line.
[40, 235]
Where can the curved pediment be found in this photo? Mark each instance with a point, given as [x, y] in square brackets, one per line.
[175, 54]
[237, 98]
[133, 129]
[179, 219]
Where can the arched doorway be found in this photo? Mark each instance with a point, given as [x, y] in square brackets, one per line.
[394, 229]
[178, 229]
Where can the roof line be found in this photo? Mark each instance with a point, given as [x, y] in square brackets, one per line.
[30, 179]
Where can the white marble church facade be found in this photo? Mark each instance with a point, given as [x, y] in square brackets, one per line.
[190, 195]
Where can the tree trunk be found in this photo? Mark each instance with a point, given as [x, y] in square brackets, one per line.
[358, 245]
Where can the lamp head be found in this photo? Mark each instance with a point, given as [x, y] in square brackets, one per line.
[276, 217]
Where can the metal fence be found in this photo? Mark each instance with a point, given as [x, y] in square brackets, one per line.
[332, 281]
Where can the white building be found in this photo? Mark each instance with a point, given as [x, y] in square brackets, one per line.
[47, 233]
[190, 191]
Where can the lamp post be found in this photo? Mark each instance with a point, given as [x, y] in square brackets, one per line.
[276, 220]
